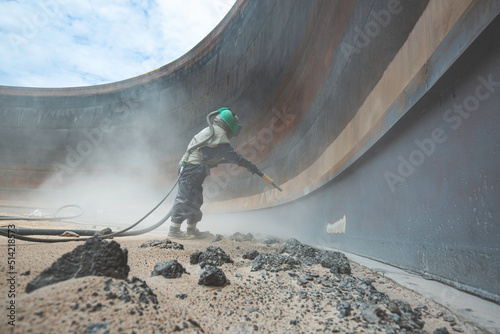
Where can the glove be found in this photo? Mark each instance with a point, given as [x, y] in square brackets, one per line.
[252, 168]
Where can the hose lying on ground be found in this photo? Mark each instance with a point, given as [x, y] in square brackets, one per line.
[20, 233]
[55, 218]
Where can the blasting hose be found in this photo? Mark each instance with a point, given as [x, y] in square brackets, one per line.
[200, 144]
[56, 218]
[21, 233]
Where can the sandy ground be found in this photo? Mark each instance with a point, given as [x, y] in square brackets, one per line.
[251, 302]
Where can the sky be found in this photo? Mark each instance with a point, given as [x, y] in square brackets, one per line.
[71, 43]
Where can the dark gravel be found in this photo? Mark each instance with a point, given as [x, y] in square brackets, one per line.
[288, 287]
[166, 244]
[213, 256]
[241, 237]
[336, 261]
[270, 240]
[251, 255]
[169, 269]
[217, 238]
[96, 257]
[212, 276]
[132, 290]
[274, 263]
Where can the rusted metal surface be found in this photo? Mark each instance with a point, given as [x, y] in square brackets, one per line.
[330, 94]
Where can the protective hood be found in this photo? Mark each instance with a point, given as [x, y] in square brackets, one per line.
[231, 120]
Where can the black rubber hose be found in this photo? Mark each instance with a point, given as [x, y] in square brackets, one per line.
[47, 218]
[122, 232]
[20, 233]
[138, 232]
[211, 126]
[203, 142]
[12, 233]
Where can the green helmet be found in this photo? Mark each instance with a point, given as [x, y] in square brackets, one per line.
[231, 120]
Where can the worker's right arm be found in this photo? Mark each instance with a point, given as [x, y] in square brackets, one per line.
[224, 153]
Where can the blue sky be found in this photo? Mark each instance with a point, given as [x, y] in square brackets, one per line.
[69, 43]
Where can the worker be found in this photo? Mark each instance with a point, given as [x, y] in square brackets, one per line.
[195, 167]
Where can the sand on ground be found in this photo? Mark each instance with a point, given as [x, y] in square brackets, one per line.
[251, 301]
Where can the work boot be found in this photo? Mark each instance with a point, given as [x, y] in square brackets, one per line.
[197, 234]
[176, 233]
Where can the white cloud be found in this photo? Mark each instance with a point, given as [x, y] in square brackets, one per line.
[63, 43]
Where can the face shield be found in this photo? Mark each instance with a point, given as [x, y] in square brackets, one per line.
[231, 120]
